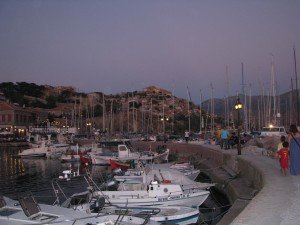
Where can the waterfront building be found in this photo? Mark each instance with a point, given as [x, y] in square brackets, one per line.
[16, 119]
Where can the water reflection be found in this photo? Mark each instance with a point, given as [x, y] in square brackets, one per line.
[19, 175]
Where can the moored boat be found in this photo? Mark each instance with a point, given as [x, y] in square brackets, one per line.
[28, 211]
[117, 164]
[125, 154]
[155, 194]
[40, 151]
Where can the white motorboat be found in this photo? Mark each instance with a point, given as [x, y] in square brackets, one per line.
[125, 154]
[186, 168]
[40, 151]
[178, 215]
[155, 194]
[88, 202]
[28, 211]
[44, 150]
[161, 172]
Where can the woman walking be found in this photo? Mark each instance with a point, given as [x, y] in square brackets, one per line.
[294, 140]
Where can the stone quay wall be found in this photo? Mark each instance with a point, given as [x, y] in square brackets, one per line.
[238, 178]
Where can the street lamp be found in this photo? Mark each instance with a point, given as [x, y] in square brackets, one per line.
[163, 119]
[238, 106]
[89, 124]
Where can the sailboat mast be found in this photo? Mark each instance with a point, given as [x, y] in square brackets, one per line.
[133, 105]
[212, 108]
[103, 113]
[128, 105]
[273, 94]
[250, 107]
[173, 109]
[245, 100]
[151, 117]
[296, 76]
[200, 124]
[188, 108]
[226, 102]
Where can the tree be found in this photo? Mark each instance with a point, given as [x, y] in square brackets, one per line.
[98, 110]
[51, 101]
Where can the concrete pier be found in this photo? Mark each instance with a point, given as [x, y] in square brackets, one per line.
[257, 190]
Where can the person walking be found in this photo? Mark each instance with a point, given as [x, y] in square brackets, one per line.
[294, 142]
[186, 136]
[283, 154]
[224, 138]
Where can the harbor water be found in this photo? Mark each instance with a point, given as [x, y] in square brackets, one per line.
[36, 175]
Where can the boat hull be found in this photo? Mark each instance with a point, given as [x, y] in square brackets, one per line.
[136, 198]
[115, 164]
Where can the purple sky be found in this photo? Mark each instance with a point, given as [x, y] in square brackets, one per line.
[113, 46]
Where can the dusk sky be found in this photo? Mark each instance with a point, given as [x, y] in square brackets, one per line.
[113, 46]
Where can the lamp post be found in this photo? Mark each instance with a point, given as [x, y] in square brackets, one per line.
[164, 119]
[88, 128]
[238, 106]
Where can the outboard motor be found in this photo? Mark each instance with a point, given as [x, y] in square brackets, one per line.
[98, 205]
[118, 171]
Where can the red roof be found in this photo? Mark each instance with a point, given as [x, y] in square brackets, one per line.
[8, 106]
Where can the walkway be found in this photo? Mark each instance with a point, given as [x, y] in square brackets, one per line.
[279, 200]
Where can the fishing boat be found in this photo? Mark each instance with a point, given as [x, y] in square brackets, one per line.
[89, 202]
[156, 193]
[125, 154]
[184, 176]
[27, 211]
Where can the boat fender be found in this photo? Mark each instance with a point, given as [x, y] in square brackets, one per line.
[166, 181]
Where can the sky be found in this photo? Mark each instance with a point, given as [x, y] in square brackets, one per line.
[115, 46]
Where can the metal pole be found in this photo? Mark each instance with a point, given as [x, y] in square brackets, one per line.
[239, 138]
[297, 92]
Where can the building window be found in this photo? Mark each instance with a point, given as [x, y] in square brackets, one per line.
[3, 118]
[17, 118]
[9, 118]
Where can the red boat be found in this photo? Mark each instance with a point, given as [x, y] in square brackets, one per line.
[116, 164]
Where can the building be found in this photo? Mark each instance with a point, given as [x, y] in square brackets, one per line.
[16, 119]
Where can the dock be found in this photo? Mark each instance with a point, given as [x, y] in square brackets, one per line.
[259, 193]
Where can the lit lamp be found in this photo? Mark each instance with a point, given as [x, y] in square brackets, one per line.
[88, 129]
[238, 106]
[163, 119]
